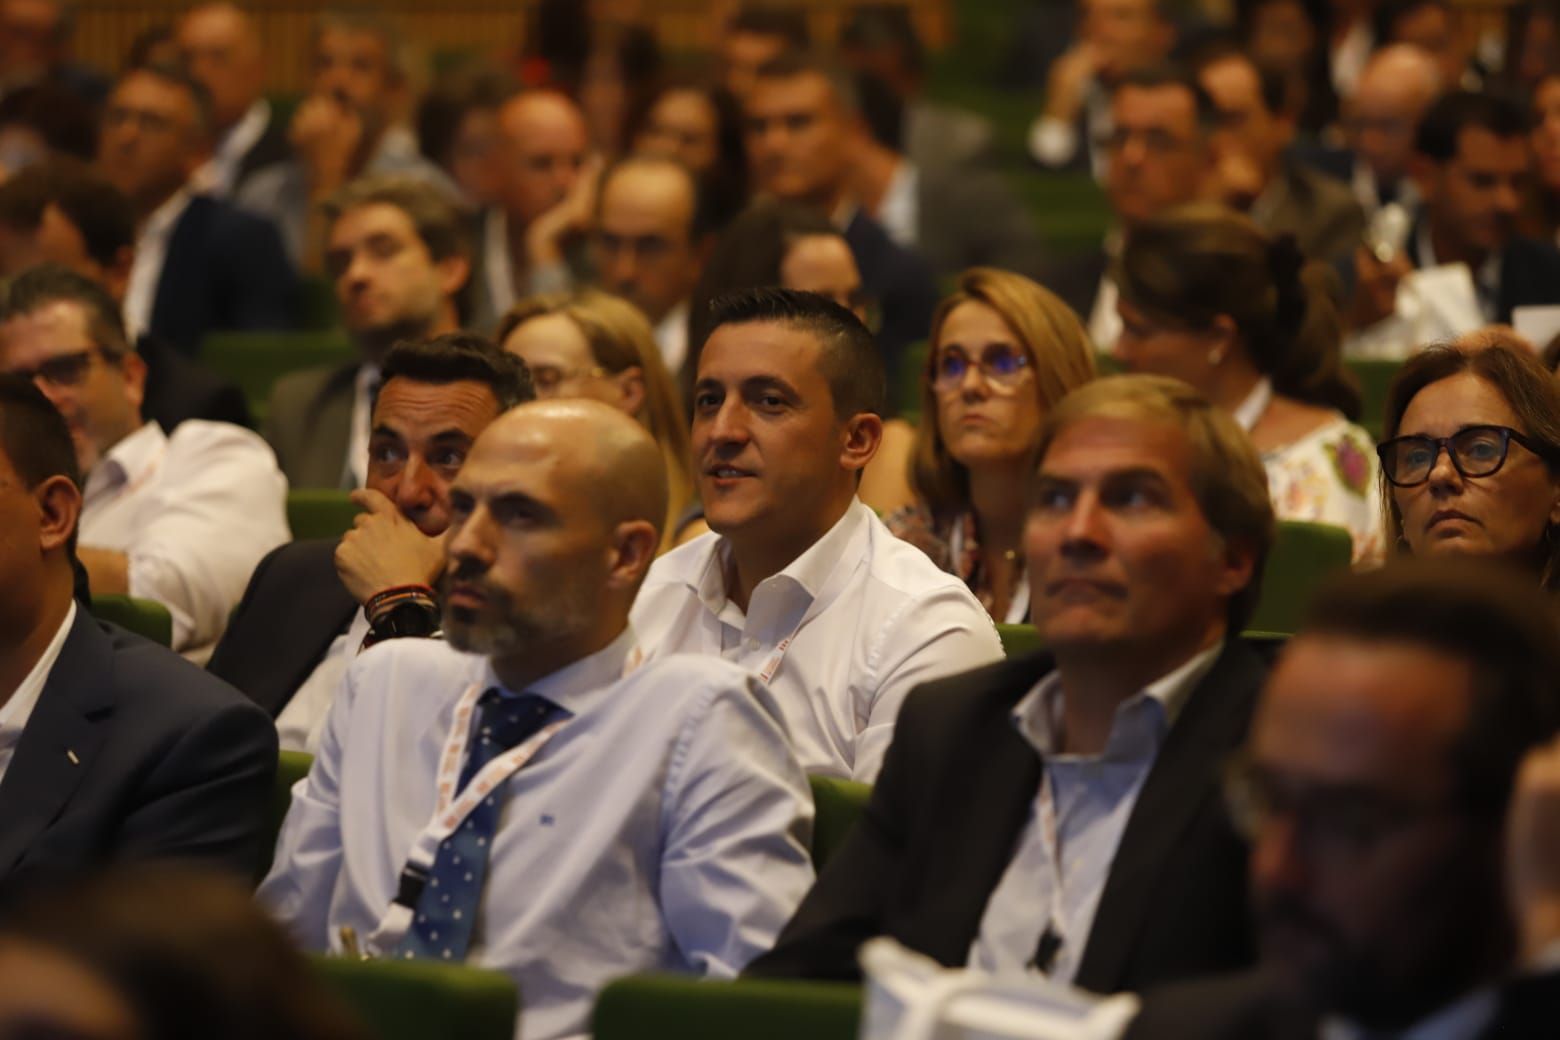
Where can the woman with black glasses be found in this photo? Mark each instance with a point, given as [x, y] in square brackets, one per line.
[1471, 460]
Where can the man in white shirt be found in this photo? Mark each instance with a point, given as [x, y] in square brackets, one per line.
[313, 604]
[180, 519]
[611, 815]
[799, 582]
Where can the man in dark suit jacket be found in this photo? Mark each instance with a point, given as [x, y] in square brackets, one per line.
[1375, 789]
[1098, 762]
[299, 625]
[113, 748]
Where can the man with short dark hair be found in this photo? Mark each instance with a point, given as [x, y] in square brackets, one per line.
[180, 518]
[1058, 813]
[398, 253]
[311, 605]
[1374, 789]
[751, 38]
[200, 265]
[799, 582]
[111, 748]
[35, 48]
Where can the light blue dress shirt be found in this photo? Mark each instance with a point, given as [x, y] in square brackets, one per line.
[1092, 797]
[665, 827]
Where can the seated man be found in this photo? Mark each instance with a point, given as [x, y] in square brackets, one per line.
[397, 252]
[1059, 812]
[180, 519]
[1374, 790]
[799, 582]
[300, 623]
[110, 747]
[652, 817]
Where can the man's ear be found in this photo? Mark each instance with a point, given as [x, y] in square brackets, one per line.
[454, 272]
[863, 433]
[133, 368]
[634, 545]
[631, 384]
[116, 276]
[1237, 567]
[1426, 175]
[59, 506]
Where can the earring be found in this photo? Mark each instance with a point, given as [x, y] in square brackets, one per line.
[1214, 357]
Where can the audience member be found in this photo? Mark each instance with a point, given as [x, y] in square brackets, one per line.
[220, 45]
[1435, 28]
[457, 128]
[164, 951]
[589, 344]
[1256, 174]
[1470, 456]
[651, 238]
[700, 127]
[601, 55]
[396, 249]
[1532, 50]
[347, 127]
[65, 213]
[200, 265]
[676, 819]
[1289, 39]
[799, 116]
[1159, 155]
[181, 519]
[35, 47]
[799, 582]
[111, 748]
[1058, 812]
[42, 122]
[1374, 790]
[1116, 38]
[975, 447]
[531, 242]
[1208, 298]
[753, 37]
[1472, 167]
[300, 623]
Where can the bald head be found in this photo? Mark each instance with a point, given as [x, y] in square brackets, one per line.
[545, 141]
[220, 44]
[648, 247]
[1396, 88]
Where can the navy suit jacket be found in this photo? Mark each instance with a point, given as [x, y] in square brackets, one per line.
[134, 753]
[902, 284]
[225, 269]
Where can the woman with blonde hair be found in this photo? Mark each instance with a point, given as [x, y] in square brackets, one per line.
[1004, 351]
[590, 344]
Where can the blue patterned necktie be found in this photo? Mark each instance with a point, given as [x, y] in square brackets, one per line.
[446, 910]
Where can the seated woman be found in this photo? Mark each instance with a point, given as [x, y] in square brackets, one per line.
[590, 344]
[1470, 462]
[1004, 351]
[1208, 298]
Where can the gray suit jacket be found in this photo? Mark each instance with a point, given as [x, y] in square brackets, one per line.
[943, 135]
[1320, 211]
[969, 216]
[309, 424]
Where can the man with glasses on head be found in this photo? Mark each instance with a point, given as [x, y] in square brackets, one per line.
[1374, 790]
[180, 519]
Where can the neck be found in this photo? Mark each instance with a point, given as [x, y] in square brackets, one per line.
[873, 172]
[762, 555]
[22, 645]
[1098, 678]
[528, 665]
[997, 495]
[1234, 381]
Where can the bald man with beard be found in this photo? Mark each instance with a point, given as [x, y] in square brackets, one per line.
[572, 815]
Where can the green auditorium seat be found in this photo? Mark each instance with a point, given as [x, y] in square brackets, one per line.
[838, 803]
[146, 618]
[1303, 557]
[422, 1000]
[907, 388]
[291, 766]
[1018, 639]
[665, 1007]
[1375, 379]
[254, 361]
[319, 513]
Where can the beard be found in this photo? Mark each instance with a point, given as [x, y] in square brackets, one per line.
[505, 627]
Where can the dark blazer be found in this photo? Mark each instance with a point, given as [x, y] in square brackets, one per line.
[225, 269]
[178, 389]
[1077, 281]
[308, 423]
[1251, 1006]
[902, 284]
[953, 799]
[134, 753]
[294, 607]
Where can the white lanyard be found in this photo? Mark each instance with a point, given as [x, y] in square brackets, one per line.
[1018, 600]
[1249, 411]
[1051, 842]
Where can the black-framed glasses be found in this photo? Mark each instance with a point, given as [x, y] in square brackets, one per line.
[1002, 366]
[1476, 451]
[66, 370]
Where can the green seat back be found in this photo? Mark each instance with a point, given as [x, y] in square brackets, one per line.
[254, 361]
[146, 618]
[319, 513]
[291, 766]
[317, 306]
[1375, 380]
[907, 391]
[665, 1007]
[838, 803]
[1018, 639]
[422, 1000]
[1304, 555]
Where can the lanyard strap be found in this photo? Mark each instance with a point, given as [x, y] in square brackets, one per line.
[1249, 412]
[1054, 936]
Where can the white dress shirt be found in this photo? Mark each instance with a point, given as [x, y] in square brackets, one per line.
[363, 394]
[15, 712]
[194, 512]
[861, 618]
[151, 250]
[1058, 870]
[302, 722]
[219, 175]
[664, 827]
[1055, 142]
[900, 211]
[671, 338]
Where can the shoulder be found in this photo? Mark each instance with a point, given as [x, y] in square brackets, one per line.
[204, 436]
[308, 383]
[298, 565]
[156, 686]
[681, 565]
[896, 565]
[972, 698]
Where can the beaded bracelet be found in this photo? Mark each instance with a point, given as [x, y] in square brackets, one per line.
[389, 599]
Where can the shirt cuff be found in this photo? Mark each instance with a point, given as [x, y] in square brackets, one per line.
[1052, 141]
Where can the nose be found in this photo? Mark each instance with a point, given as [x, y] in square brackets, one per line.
[416, 489]
[357, 268]
[1508, 201]
[1083, 530]
[728, 427]
[57, 395]
[1277, 860]
[1444, 476]
[973, 384]
[622, 267]
[469, 548]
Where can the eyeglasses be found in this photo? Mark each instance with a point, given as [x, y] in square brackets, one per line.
[67, 370]
[1002, 366]
[547, 378]
[1155, 141]
[1476, 451]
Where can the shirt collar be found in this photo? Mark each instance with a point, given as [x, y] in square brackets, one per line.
[809, 572]
[245, 132]
[18, 708]
[161, 222]
[578, 687]
[1141, 720]
[1464, 1018]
